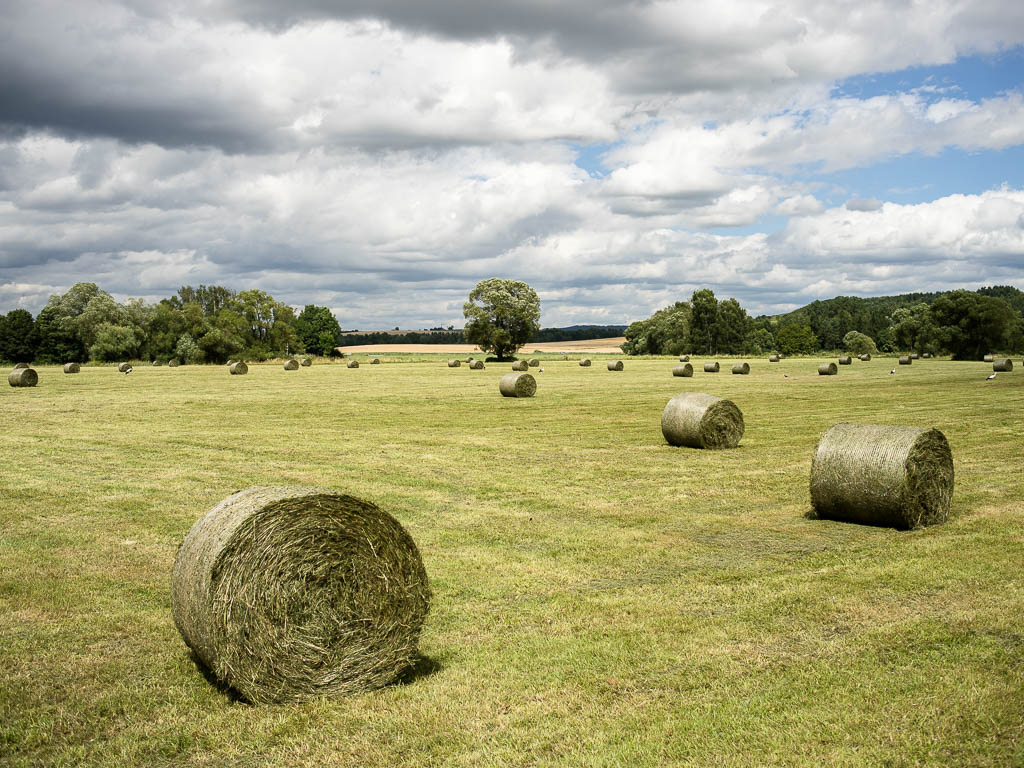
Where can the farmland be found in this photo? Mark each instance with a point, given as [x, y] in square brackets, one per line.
[600, 598]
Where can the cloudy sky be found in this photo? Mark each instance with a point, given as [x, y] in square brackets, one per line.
[380, 157]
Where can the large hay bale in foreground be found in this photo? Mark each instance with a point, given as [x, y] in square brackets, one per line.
[72, 368]
[307, 361]
[291, 364]
[517, 385]
[290, 592]
[351, 363]
[711, 367]
[1002, 365]
[773, 359]
[23, 377]
[741, 368]
[20, 366]
[454, 363]
[883, 475]
[124, 367]
[238, 369]
[845, 360]
[533, 362]
[476, 365]
[988, 358]
[585, 362]
[828, 369]
[615, 365]
[684, 358]
[698, 420]
[683, 370]
[520, 365]
[905, 360]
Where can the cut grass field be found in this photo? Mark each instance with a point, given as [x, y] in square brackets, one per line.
[600, 597]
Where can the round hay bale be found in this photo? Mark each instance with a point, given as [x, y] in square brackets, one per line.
[882, 475]
[520, 365]
[614, 365]
[122, 367]
[865, 358]
[291, 364]
[989, 358]
[585, 362]
[845, 360]
[905, 360]
[307, 361]
[238, 369]
[173, 362]
[697, 420]
[534, 362]
[468, 360]
[711, 367]
[454, 363]
[23, 377]
[20, 366]
[828, 369]
[773, 359]
[351, 363]
[914, 356]
[1002, 365]
[926, 355]
[684, 358]
[517, 385]
[72, 368]
[158, 362]
[375, 361]
[741, 368]
[291, 592]
[477, 365]
[683, 370]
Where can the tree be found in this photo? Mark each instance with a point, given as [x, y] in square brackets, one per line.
[501, 316]
[704, 322]
[733, 328]
[666, 332]
[18, 337]
[187, 351]
[59, 337]
[858, 343]
[970, 325]
[797, 340]
[113, 342]
[317, 329]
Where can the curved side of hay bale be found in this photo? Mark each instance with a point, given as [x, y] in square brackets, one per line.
[683, 370]
[615, 365]
[698, 420]
[905, 360]
[20, 366]
[517, 385]
[72, 368]
[926, 355]
[882, 475]
[684, 358]
[533, 362]
[307, 361]
[23, 377]
[375, 361]
[520, 365]
[468, 360]
[914, 356]
[865, 358]
[158, 362]
[291, 592]
[711, 367]
[477, 365]
[351, 363]
[988, 358]
[741, 368]
[845, 360]
[773, 359]
[585, 362]
[122, 367]
[173, 362]
[291, 364]
[1002, 365]
[828, 369]
[238, 369]
[454, 363]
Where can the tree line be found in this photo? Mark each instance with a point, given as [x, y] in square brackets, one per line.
[964, 324]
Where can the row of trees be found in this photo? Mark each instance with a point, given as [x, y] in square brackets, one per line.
[964, 324]
[204, 324]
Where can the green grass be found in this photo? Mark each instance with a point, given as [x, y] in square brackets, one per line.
[600, 598]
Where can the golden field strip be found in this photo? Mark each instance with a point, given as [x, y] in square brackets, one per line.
[599, 597]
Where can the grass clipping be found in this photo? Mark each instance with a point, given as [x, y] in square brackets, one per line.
[697, 420]
[292, 592]
[517, 385]
[882, 475]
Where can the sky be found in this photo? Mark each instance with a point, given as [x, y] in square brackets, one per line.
[380, 158]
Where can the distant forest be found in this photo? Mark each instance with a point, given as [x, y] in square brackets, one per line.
[454, 336]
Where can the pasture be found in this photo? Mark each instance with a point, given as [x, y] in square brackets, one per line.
[600, 598]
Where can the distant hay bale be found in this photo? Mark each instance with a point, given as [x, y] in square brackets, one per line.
[468, 360]
[914, 356]
[773, 359]
[926, 355]
[614, 365]
[477, 365]
[173, 362]
[72, 368]
[517, 385]
[697, 420]
[351, 363]
[684, 358]
[683, 370]
[291, 364]
[23, 377]
[711, 367]
[865, 358]
[741, 368]
[375, 361]
[533, 362]
[905, 360]
[158, 362]
[19, 366]
[287, 593]
[124, 367]
[585, 362]
[454, 363]
[1002, 365]
[238, 369]
[520, 365]
[845, 360]
[828, 369]
[988, 358]
[882, 475]
[307, 361]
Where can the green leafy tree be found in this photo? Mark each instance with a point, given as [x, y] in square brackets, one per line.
[733, 328]
[761, 340]
[858, 343]
[113, 342]
[59, 337]
[318, 329]
[797, 340]
[19, 339]
[970, 325]
[666, 332]
[501, 316]
[187, 351]
[914, 328]
[704, 322]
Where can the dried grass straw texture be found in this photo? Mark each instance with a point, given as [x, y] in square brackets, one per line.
[122, 367]
[773, 359]
[375, 361]
[238, 369]
[882, 475]
[741, 368]
[19, 366]
[454, 363]
[517, 385]
[865, 358]
[914, 356]
[614, 365]
[476, 365]
[533, 362]
[988, 359]
[72, 368]
[905, 360]
[291, 364]
[173, 362]
[711, 367]
[828, 369]
[157, 363]
[845, 360]
[307, 361]
[1002, 365]
[684, 358]
[23, 377]
[289, 592]
[520, 365]
[683, 370]
[697, 420]
[351, 363]
[585, 362]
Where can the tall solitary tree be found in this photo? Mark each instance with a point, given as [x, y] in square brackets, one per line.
[501, 316]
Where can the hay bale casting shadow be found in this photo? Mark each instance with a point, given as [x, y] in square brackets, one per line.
[291, 592]
[72, 368]
[697, 420]
[585, 362]
[23, 377]
[846, 360]
[741, 368]
[1002, 365]
[683, 370]
[517, 385]
[711, 367]
[828, 369]
[291, 364]
[882, 475]
[476, 365]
